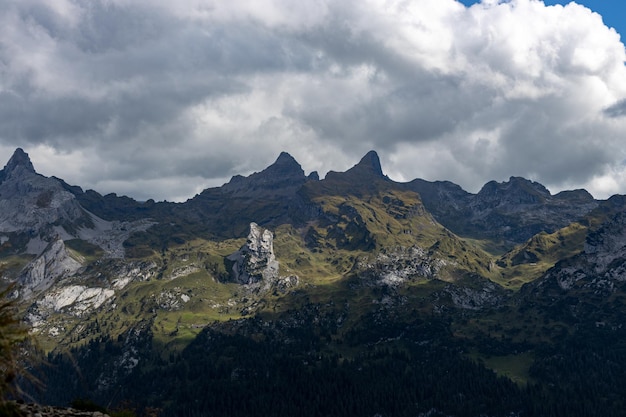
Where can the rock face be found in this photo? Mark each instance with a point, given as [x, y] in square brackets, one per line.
[283, 176]
[511, 211]
[369, 164]
[269, 197]
[52, 265]
[36, 211]
[587, 287]
[397, 266]
[255, 261]
[602, 264]
[33, 204]
[36, 410]
[487, 295]
[368, 168]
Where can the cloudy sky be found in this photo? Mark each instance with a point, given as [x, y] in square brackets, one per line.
[160, 99]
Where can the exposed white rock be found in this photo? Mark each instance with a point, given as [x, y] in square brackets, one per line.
[283, 284]
[54, 264]
[255, 261]
[399, 265]
[172, 300]
[73, 300]
[120, 283]
[183, 271]
[79, 297]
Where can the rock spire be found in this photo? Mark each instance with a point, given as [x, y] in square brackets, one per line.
[19, 159]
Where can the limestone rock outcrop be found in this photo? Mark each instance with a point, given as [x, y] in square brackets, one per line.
[52, 265]
[36, 410]
[255, 261]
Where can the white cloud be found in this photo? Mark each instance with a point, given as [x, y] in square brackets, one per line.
[143, 95]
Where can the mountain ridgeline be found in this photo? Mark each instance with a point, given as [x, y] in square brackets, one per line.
[282, 293]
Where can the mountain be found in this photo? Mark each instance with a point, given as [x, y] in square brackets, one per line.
[592, 283]
[38, 216]
[277, 293]
[36, 206]
[507, 213]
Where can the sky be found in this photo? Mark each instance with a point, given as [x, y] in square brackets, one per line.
[161, 99]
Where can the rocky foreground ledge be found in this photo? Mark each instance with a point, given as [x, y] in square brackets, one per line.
[35, 410]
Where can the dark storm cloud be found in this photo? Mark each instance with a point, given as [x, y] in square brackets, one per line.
[616, 110]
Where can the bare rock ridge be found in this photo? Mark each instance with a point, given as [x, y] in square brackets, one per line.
[516, 191]
[512, 211]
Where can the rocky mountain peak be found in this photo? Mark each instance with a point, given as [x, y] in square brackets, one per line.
[282, 175]
[368, 165]
[368, 168]
[286, 160]
[516, 190]
[285, 165]
[33, 203]
[19, 159]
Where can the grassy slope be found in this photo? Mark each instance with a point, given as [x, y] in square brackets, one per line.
[529, 261]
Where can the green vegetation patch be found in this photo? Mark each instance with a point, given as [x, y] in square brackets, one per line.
[516, 367]
[527, 262]
[84, 250]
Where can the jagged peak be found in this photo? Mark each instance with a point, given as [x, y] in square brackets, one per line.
[284, 172]
[369, 164]
[285, 164]
[19, 159]
[286, 159]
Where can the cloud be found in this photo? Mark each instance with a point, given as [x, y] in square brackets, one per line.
[159, 99]
[616, 110]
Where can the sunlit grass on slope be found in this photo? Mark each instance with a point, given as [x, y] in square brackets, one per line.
[397, 218]
[11, 265]
[529, 261]
[82, 251]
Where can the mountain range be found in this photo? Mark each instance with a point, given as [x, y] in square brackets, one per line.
[279, 293]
